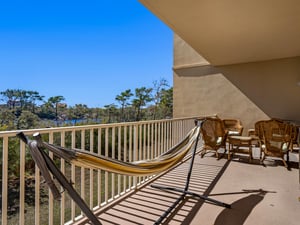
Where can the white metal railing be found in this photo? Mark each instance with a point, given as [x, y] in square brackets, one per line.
[124, 141]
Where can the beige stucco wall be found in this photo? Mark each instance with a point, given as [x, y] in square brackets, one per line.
[249, 91]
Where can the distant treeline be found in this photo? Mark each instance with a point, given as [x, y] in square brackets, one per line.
[27, 109]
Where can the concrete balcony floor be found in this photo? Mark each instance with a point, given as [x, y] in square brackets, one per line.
[258, 194]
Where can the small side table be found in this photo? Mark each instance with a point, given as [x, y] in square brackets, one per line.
[240, 144]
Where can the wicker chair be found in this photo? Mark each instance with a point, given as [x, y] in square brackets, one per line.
[276, 138]
[233, 127]
[214, 135]
[258, 132]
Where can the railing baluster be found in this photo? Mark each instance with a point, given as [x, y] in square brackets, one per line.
[50, 193]
[99, 177]
[106, 173]
[4, 179]
[144, 146]
[125, 157]
[159, 139]
[91, 170]
[37, 178]
[130, 153]
[139, 148]
[135, 149]
[119, 157]
[148, 141]
[113, 156]
[82, 170]
[73, 171]
[62, 168]
[152, 141]
[22, 183]
[164, 137]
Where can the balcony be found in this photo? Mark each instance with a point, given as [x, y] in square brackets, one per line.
[261, 195]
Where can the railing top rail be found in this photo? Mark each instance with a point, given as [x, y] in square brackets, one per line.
[86, 127]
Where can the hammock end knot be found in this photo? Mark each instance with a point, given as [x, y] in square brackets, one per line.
[22, 136]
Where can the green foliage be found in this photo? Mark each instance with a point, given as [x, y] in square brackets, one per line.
[54, 103]
[142, 97]
[123, 99]
[79, 111]
[111, 113]
[138, 106]
[21, 98]
[166, 103]
[7, 119]
[28, 120]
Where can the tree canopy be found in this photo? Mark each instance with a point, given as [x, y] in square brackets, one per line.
[25, 109]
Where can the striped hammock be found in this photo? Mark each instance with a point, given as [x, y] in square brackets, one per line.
[137, 168]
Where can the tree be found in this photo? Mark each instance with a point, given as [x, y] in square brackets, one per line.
[97, 114]
[28, 120]
[79, 111]
[34, 96]
[54, 103]
[142, 97]
[123, 99]
[21, 98]
[111, 110]
[166, 102]
[7, 119]
[158, 88]
[11, 97]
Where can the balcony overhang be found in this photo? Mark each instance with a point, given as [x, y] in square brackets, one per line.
[234, 31]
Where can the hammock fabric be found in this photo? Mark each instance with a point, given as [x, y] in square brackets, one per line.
[138, 168]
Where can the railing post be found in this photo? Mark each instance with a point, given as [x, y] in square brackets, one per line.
[4, 179]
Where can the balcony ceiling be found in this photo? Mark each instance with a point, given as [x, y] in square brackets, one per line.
[234, 31]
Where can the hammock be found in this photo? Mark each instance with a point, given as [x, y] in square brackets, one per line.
[90, 160]
[137, 168]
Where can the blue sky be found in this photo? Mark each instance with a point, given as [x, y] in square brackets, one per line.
[87, 51]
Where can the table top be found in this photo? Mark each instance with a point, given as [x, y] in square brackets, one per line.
[241, 138]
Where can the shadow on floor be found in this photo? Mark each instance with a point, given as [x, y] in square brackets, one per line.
[193, 211]
[240, 209]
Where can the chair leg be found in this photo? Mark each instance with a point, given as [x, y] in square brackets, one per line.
[228, 156]
[250, 154]
[202, 153]
[284, 162]
[262, 158]
[261, 152]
